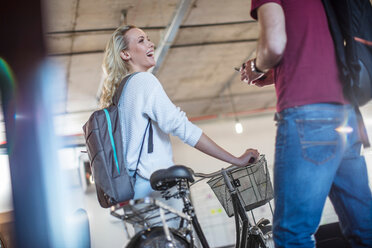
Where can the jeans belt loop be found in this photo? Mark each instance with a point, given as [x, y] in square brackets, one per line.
[278, 116]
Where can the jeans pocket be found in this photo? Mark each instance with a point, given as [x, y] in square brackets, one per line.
[318, 139]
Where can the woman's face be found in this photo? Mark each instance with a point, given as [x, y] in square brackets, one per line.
[140, 52]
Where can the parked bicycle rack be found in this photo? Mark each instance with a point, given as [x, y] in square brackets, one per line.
[150, 215]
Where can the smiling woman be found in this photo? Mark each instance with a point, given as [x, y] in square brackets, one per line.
[143, 101]
[128, 50]
[140, 52]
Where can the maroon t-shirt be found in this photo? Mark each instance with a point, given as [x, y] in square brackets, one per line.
[308, 71]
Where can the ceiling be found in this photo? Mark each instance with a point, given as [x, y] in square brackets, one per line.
[197, 69]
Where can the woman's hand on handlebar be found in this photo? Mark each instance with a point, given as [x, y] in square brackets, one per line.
[208, 146]
[249, 156]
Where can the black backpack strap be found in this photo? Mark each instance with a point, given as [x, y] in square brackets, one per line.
[115, 101]
[343, 29]
[150, 147]
[119, 90]
[338, 32]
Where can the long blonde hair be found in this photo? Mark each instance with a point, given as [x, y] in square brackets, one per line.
[114, 67]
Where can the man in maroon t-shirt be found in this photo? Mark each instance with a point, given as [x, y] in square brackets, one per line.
[318, 145]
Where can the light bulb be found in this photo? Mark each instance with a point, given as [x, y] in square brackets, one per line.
[238, 127]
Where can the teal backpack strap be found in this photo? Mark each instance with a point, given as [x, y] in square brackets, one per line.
[109, 127]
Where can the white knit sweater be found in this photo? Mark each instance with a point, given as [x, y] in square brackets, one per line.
[143, 97]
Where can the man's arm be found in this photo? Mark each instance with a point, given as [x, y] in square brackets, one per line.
[270, 48]
[273, 38]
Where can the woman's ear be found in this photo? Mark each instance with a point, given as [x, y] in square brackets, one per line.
[125, 55]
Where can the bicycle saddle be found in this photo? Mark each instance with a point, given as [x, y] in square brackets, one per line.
[166, 178]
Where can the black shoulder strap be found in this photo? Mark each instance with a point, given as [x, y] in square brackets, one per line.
[344, 18]
[150, 146]
[338, 31]
[119, 90]
[115, 101]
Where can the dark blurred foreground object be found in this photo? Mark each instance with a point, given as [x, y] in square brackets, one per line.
[81, 230]
[22, 47]
[26, 99]
[329, 236]
[350, 23]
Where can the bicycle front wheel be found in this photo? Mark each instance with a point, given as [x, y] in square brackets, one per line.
[257, 242]
[270, 242]
[155, 237]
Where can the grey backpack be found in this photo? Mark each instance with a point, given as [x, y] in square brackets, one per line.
[105, 150]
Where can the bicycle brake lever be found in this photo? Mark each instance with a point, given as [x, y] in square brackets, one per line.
[263, 222]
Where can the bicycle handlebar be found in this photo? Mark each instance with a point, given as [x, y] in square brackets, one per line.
[213, 174]
[227, 169]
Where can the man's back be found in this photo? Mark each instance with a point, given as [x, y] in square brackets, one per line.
[307, 72]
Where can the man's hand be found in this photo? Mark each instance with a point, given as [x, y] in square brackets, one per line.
[249, 72]
[251, 75]
[267, 79]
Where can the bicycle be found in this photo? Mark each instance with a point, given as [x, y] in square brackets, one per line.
[230, 189]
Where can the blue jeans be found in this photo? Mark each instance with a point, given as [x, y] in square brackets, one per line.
[318, 155]
[142, 187]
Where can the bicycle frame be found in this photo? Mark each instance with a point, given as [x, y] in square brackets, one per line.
[248, 235]
[189, 210]
[239, 211]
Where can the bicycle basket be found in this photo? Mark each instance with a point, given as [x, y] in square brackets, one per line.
[252, 183]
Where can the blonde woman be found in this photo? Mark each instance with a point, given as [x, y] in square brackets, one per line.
[129, 50]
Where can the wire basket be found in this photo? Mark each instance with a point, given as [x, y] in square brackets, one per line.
[252, 183]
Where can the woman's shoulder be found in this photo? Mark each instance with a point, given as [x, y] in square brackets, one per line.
[146, 78]
[143, 83]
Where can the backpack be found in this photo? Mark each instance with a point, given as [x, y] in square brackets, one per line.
[350, 23]
[104, 144]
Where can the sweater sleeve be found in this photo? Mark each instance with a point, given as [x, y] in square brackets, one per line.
[170, 119]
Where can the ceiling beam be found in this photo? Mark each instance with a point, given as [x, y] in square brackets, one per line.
[172, 46]
[170, 33]
[110, 30]
[207, 43]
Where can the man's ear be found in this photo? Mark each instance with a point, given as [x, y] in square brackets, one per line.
[125, 55]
